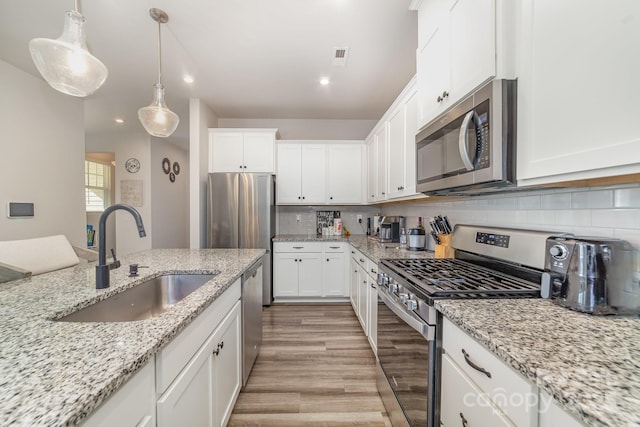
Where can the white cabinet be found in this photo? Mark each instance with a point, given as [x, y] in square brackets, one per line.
[354, 274]
[345, 173]
[372, 167]
[473, 377]
[578, 90]
[132, 405]
[457, 50]
[372, 305]
[361, 289]
[552, 415]
[402, 144]
[381, 163]
[334, 270]
[320, 172]
[310, 270]
[242, 150]
[297, 269]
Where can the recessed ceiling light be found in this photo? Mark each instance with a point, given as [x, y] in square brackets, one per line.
[188, 79]
[324, 81]
[119, 121]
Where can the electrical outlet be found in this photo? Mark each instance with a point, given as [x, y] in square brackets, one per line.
[359, 219]
[298, 218]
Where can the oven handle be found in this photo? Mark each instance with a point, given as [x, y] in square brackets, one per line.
[422, 328]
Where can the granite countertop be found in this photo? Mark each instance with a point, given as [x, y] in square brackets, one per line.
[55, 373]
[373, 250]
[589, 364]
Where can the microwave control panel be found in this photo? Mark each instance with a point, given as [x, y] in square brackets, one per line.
[492, 239]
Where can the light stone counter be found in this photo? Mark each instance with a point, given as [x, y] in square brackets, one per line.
[56, 373]
[589, 364]
[373, 250]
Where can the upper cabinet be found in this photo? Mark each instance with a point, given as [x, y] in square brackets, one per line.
[578, 90]
[317, 172]
[242, 150]
[457, 50]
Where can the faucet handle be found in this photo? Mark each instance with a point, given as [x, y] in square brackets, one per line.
[116, 261]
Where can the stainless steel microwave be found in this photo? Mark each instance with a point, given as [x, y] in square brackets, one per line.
[470, 148]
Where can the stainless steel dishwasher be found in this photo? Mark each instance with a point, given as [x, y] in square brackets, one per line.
[251, 318]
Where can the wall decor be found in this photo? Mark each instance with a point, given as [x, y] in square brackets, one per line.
[132, 165]
[131, 192]
[172, 177]
[166, 165]
[325, 219]
[176, 168]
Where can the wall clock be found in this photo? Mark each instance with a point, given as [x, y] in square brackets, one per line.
[132, 165]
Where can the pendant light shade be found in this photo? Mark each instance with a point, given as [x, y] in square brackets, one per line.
[66, 63]
[157, 119]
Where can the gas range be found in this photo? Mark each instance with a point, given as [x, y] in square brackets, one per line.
[488, 263]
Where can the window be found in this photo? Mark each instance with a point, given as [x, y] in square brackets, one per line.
[96, 185]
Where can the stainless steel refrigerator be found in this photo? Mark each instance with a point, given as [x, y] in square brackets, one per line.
[241, 214]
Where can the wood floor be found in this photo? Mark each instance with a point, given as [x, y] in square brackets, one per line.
[315, 369]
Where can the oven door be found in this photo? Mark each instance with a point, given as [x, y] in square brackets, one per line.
[407, 358]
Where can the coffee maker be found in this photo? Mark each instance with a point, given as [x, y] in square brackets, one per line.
[390, 227]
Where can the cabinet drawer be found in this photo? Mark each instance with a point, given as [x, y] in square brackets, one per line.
[333, 247]
[372, 269]
[462, 403]
[510, 391]
[297, 247]
[360, 259]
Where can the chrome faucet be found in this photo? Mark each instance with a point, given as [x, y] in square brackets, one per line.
[102, 269]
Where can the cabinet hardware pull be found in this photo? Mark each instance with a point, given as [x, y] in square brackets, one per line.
[373, 271]
[373, 286]
[245, 166]
[216, 351]
[464, 420]
[361, 260]
[299, 197]
[302, 197]
[240, 166]
[330, 197]
[327, 259]
[298, 247]
[353, 252]
[473, 365]
[221, 344]
[335, 247]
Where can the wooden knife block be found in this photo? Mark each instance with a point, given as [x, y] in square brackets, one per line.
[444, 249]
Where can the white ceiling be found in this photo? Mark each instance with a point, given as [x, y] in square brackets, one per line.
[250, 58]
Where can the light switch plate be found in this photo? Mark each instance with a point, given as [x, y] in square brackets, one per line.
[298, 218]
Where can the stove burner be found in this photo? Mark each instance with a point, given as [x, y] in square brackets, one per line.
[457, 278]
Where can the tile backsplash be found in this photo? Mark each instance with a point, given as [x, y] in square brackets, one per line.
[287, 218]
[597, 211]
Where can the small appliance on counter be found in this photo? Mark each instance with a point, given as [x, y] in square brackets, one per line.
[390, 227]
[591, 275]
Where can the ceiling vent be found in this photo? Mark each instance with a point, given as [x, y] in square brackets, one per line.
[340, 56]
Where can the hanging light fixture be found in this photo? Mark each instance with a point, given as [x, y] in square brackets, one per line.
[157, 118]
[66, 63]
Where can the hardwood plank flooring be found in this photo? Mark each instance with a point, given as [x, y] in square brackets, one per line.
[315, 368]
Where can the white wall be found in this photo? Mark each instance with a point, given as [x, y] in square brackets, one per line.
[201, 118]
[41, 158]
[127, 145]
[307, 128]
[598, 211]
[170, 201]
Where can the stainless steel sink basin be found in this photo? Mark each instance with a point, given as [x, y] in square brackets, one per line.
[144, 301]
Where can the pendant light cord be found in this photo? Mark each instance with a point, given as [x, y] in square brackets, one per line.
[159, 54]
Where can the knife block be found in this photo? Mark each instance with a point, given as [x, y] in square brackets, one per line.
[444, 249]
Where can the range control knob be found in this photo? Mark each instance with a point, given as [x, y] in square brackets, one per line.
[393, 288]
[404, 297]
[412, 304]
[558, 251]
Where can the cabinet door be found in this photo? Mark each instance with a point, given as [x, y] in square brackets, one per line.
[226, 152]
[433, 69]
[463, 404]
[578, 90]
[552, 415]
[353, 284]
[258, 151]
[289, 173]
[333, 276]
[396, 152]
[372, 172]
[381, 163]
[227, 368]
[310, 275]
[189, 399]
[345, 173]
[473, 52]
[411, 128]
[363, 314]
[372, 309]
[285, 274]
[314, 173]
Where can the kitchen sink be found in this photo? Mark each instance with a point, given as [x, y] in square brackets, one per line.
[144, 301]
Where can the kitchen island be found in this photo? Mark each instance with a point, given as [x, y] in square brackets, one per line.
[58, 373]
[589, 364]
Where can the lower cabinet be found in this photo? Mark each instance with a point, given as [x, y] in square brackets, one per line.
[364, 294]
[193, 381]
[310, 270]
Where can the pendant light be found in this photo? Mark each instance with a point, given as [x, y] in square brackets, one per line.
[157, 118]
[66, 63]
